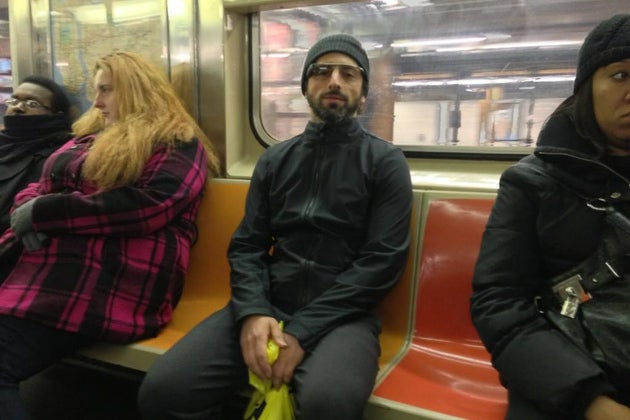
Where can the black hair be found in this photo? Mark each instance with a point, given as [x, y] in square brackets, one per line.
[580, 109]
[584, 117]
[60, 101]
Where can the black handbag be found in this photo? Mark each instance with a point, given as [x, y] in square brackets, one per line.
[590, 303]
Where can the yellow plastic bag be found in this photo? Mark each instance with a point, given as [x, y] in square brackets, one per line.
[268, 403]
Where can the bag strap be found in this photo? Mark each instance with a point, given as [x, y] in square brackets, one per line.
[615, 218]
[550, 174]
[599, 269]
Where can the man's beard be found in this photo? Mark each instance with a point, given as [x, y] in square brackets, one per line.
[334, 113]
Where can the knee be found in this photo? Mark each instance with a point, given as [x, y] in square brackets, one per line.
[9, 380]
[152, 395]
[166, 395]
[331, 403]
[161, 395]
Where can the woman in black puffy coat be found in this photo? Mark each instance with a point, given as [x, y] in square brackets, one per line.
[541, 227]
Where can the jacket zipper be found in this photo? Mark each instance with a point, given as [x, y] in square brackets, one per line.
[608, 168]
[307, 213]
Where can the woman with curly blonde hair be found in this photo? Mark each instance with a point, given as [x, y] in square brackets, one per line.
[104, 237]
[149, 113]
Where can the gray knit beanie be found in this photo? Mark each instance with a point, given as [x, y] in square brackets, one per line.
[342, 43]
[608, 42]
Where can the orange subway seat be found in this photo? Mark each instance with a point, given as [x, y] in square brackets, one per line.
[207, 286]
[446, 369]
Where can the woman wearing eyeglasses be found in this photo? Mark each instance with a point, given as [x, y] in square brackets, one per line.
[37, 121]
[107, 229]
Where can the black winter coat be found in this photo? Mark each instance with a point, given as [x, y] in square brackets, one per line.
[25, 144]
[538, 229]
[326, 229]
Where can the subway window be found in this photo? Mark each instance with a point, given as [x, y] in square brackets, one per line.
[448, 76]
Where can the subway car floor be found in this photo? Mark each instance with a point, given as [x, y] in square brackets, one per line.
[68, 391]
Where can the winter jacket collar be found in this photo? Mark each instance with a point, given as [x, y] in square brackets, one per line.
[559, 137]
[30, 126]
[560, 144]
[574, 163]
[346, 131]
[31, 135]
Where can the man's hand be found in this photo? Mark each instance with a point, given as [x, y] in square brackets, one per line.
[255, 332]
[605, 408]
[290, 357]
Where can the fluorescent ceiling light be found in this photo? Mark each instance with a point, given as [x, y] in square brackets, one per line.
[437, 41]
[484, 81]
[275, 55]
[530, 44]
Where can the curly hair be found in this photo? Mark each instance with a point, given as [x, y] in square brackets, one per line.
[150, 114]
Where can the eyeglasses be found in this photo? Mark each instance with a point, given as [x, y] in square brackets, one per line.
[346, 71]
[30, 103]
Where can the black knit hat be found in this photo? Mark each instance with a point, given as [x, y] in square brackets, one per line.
[608, 42]
[341, 43]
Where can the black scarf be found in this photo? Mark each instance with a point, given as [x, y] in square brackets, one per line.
[28, 134]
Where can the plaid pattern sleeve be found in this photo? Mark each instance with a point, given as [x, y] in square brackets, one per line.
[171, 179]
[116, 260]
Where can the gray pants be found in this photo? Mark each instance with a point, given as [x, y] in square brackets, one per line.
[521, 409]
[204, 369]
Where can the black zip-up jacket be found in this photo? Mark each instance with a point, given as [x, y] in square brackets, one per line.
[540, 228]
[326, 229]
